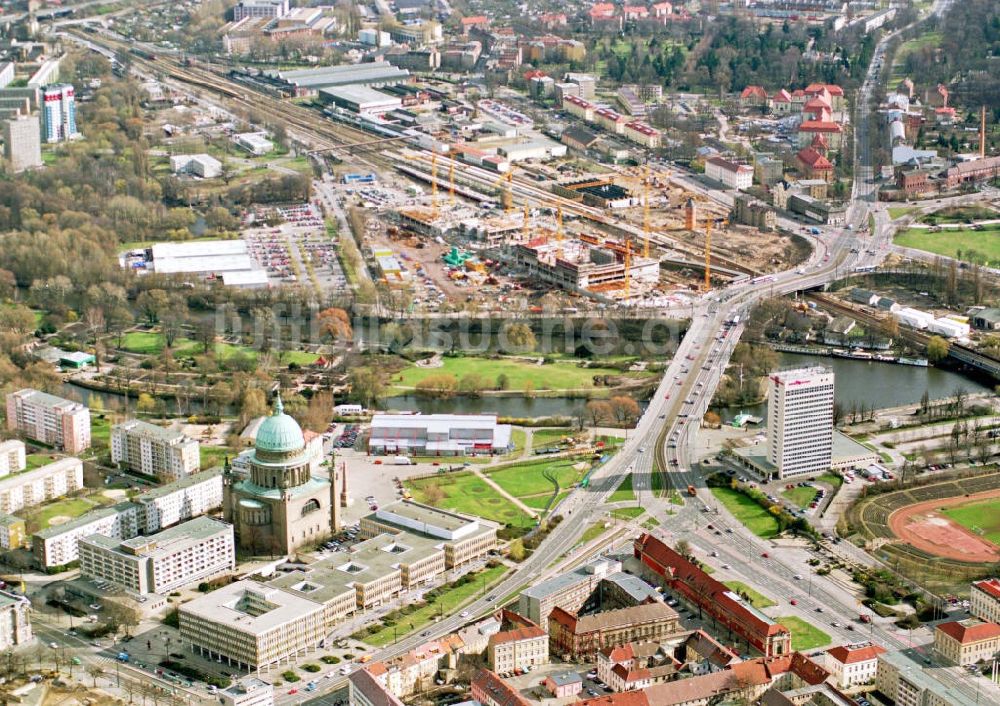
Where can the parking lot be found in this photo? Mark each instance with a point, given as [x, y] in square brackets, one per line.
[298, 250]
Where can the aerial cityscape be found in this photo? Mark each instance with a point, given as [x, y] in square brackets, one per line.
[481, 353]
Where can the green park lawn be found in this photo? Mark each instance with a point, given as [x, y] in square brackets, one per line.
[753, 516]
[627, 513]
[593, 532]
[804, 636]
[464, 492]
[69, 507]
[800, 496]
[33, 461]
[520, 374]
[898, 211]
[949, 242]
[151, 343]
[527, 479]
[541, 438]
[212, 456]
[445, 604]
[981, 517]
[757, 599]
[624, 491]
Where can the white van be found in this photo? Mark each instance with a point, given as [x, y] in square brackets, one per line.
[402, 461]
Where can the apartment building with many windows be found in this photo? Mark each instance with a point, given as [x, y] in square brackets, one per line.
[12, 457]
[54, 421]
[585, 635]
[154, 451]
[15, 620]
[968, 641]
[181, 500]
[196, 550]
[569, 590]
[800, 421]
[56, 546]
[522, 647]
[48, 482]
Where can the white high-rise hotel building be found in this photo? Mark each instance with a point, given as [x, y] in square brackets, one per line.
[800, 421]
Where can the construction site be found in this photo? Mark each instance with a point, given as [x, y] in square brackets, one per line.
[622, 236]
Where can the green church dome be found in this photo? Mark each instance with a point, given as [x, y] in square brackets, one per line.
[279, 433]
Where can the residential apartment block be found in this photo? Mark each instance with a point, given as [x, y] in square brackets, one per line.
[490, 690]
[733, 175]
[902, 677]
[520, 647]
[13, 532]
[181, 500]
[852, 665]
[154, 451]
[984, 600]
[56, 546]
[51, 420]
[251, 625]
[272, 9]
[149, 512]
[569, 591]
[800, 421]
[464, 539]
[366, 690]
[199, 549]
[967, 641]
[15, 620]
[59, 113]
[22, 142]
[584, 636]
[49, 482]
[12, 457]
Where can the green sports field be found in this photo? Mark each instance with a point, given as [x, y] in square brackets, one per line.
[982, 517]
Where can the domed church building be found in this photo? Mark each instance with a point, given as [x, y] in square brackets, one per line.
[279, 506]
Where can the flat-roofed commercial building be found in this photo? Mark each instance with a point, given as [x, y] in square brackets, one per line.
[49, 482]
[200, 549]
[309, 81]
[58, 422]
[155, 451]
[465, 539]
[252, 625]
[12, 457]
[438, 434]
[204, 257]
[381, 567]
[903, 677]
[15, 620]
[360, 99]
[247, 691]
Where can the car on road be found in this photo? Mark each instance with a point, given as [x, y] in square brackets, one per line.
[464, 614]
[797, 577]
[793, 602]
[765, 555]
[819, 609]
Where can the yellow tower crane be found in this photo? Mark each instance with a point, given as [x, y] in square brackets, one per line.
[645, 213]
[708, 254]
[628, 267]
[434, 183]
[451, 178]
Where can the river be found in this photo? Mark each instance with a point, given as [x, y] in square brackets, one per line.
[884, 384]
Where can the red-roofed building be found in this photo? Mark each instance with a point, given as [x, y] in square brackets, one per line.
[984, 600]
[967, 641]
[645, 135]
[585, 635]
[490, 690]
[477, 22]
[814, 165]
[635, 665]
[856, 664]
[832, 92]
[817, 108]
[753, 97]
[712, 597]
[635, 12]
[781, 102]
[945, 115]
[662, 9]
[831, 131]
[603, 14]
[553, 19]
[522, 644]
